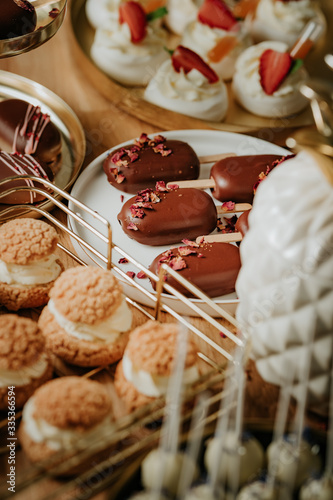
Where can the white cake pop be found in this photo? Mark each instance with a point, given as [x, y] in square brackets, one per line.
[293, 465]
[249, 452]
[205, 492]
[285, 285]
[260, 490]
[317, 489]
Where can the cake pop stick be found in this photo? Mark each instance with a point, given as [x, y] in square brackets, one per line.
[307, 38]
[241, 228]
[161, 468]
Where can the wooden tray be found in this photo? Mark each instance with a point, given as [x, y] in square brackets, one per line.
[130, 99]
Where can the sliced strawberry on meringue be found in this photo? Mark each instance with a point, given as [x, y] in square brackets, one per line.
[217, 14]
[186, 59]
[274, 67]
[134, 15]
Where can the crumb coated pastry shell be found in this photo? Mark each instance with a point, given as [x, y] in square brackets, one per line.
[132, 398]
[23, 241]
[76, 351]
[86, 294]
[152, 347]
[69, 404]
[72, 402]
[21, 345]
[16, 297]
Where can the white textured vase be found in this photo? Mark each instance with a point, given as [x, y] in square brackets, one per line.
[285, 285]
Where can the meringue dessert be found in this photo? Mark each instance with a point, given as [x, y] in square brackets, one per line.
[100, 13]
[187, 85]
[265, 83]
[130, 49]
[282, 20]
[180, 13]
[217, 37]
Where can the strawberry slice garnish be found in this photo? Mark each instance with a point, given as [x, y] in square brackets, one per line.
[216, 14]
[274, 67]
[133, 14]
[186, 59]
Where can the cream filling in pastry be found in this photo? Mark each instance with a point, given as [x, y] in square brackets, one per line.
[39, 272]
[154, 385]
[24, 375]
[40, 431]
[106, 331]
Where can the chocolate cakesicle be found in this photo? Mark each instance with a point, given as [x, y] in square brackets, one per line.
[25, 129]
[162, 216]
[15, 164]
[234, 178]
[213, 267]
[18, 17]
[141, 164]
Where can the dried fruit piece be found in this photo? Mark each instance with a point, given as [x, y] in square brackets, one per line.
[186, 59]
[216, 14]
[222, 48]
[244, 8]
[274, 67]
[132, 13]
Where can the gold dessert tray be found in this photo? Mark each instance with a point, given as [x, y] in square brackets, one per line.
[130, 99]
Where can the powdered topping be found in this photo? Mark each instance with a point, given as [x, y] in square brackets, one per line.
[228, 206]
[226, 224]
[145, 201]
[124, 157]
[262, 176]
[174, 257]
[54, 13]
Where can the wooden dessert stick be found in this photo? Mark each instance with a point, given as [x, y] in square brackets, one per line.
[220, 238]
[195, 183]
[215, 158]
[309, 35]
[238, 207]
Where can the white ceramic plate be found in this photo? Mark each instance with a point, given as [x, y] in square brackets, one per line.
[93, 189]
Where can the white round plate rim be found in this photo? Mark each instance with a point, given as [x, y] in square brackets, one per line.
[239, 144]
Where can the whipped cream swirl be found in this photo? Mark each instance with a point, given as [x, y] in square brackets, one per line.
[24, 375]
[39, 272]
[106, 331]
[285, 101]
[190, 94]
[40, 431]
[153, 385]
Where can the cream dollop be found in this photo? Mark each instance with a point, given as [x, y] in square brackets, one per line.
[154, 385]
[201, 38]
[106, 331]
[100, 13]
[39, 272]
[283, 21]
[24, 375]
[286, 100]
[40, 431]
[126, 62]
[190, 94]
[180, 13]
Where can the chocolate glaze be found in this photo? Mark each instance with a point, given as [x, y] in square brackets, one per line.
[24, 129]
[242, 224]
[181, 164]
[16, 164]
[18, 17]
[215, 273]
[181, 213]
[236, 176]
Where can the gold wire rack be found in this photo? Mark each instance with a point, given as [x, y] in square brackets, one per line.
[129, 437]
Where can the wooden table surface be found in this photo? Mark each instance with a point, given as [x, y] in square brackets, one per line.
[54, 66]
